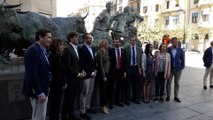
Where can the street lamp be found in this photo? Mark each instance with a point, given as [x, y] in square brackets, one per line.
[184, 28]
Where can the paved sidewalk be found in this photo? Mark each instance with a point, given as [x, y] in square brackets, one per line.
[197, 104]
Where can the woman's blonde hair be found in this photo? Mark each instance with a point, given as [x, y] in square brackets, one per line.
[103, 45]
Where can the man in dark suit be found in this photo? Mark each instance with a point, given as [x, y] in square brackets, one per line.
[177, 65]
[208, 60]
[37, 74]
[74, 74]
[88, 63]
[116, 74]
[132, 69]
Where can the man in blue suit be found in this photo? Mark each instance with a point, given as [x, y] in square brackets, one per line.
[177, 65]
[207, 59]
[37, 74]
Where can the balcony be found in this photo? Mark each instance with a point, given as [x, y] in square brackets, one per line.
[205, 24]
[170, 9]
[205, 2]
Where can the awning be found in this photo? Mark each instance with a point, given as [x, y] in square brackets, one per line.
[205, 12]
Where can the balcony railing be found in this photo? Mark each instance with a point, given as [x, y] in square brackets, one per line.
[205, 2]
[205, 24]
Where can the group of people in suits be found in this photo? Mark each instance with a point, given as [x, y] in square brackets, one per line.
[71, 73]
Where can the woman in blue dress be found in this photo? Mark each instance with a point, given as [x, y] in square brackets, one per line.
[147, 71]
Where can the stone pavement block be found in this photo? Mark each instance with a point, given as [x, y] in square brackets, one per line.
[202, 107]
[178, 114]
[204, 97]
[175, 105]
[114, 116]
[149, 118]
[199, 117]
[209, 114]
[192, 92]
[147, 110]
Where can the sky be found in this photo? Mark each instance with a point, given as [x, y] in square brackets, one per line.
[64, 7]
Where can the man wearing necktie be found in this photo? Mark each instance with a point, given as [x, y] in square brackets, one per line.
[116, 74]
[132, 69]
[37, 74]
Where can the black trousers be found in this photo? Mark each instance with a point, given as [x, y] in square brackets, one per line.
[116, 86]
[70, 95]
[132, 83]
[104, 91]
[159, 84]
[55, 99]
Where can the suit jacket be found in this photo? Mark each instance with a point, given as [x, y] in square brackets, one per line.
[127, 57]
[113, 61]
[179, 59]
[103, 61]
[87, 62]
[71, 63]
[207, 57]
[37, 72]
[57, 70]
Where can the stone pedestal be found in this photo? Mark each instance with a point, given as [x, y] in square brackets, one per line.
[13, 105]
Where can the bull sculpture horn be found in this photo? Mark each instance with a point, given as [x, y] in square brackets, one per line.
[85, 15]
[12, 6]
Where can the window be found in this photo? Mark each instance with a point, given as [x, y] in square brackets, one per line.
[205, 16]
[166, 21]
[175, 20]
[167, 4]
[120, 9]
[177, 3]
[157, 8]
[194, 17]
[120, 1]
[156, 21]
[196, 2]
[195, 36]
[138, 7]
[145, 9]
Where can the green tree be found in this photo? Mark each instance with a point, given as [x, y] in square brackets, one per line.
[149, 33]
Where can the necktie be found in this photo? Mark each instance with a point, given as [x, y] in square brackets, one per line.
[45, 55]
[133, 55]
[118, 58]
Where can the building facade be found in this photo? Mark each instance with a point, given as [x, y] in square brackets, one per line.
[201, 15]
[93, 8]
[45, 7]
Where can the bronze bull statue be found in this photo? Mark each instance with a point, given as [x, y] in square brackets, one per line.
[17, 29]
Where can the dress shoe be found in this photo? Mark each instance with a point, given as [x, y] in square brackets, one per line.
[204, 87]
[177, 99]
[85, 116]
[90, 111]
[156, 100]
[167, 98]
[161, 100]
[211, 86]
[119, 104]
[136, 102]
